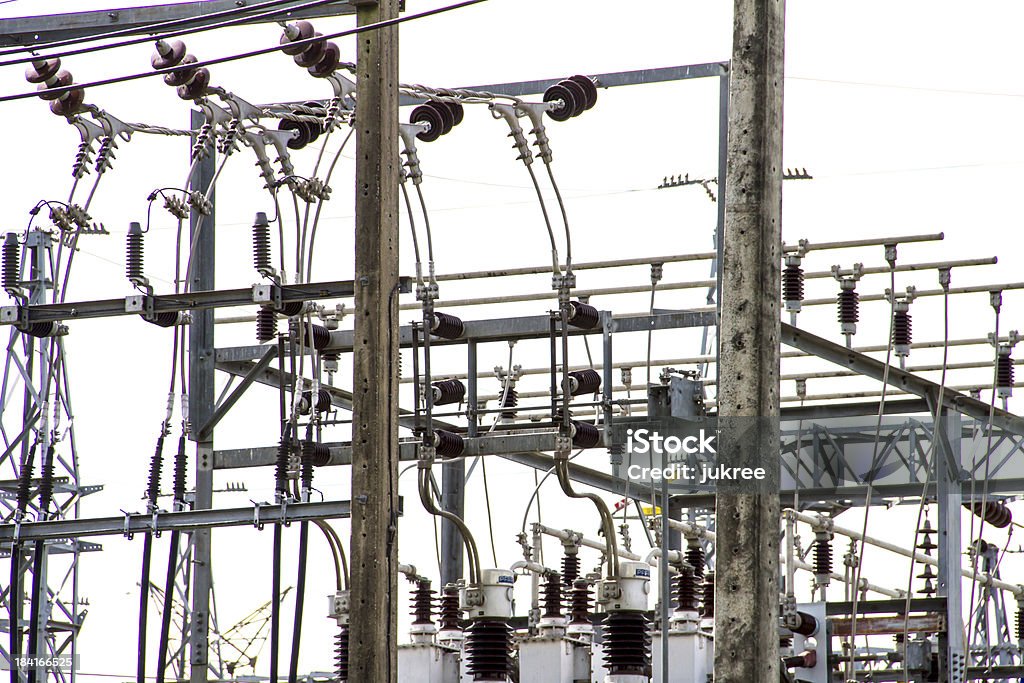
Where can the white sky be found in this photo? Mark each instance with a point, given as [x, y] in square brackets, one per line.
[906, 116]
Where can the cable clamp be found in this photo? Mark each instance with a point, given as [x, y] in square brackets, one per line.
[127, 532]
[153, 523]
[256, 521]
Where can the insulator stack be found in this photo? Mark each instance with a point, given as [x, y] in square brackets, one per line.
[11, 263]
[441, 117]
[192, 82]
[583, 316]
[266, 324]
[488, 650]
[42, 329]
[686, 590]
[793, 285]
[261, 244]
[848, 303]
[928, 576]
[448, 444]
[155, 466]
[576, 94]
[579, 602]
[180, 471]
[994, 512]
[696, 559]
[317, 336]
[341, 654]
[570, 569]
[926, 545]
[1020, 622]
[323, 402]
[306, 455]
[446, 326]
[627, 644]
[134, 253]
[822, 559]
[446, 392]
[585, 435]
[901, 332]
[552, 596]
[321, 455]
[584, 382]
[49, 76]
[164, 319]
[449, 612]
[25, 479]
[423, 603]
[308, 131]
[708, 611]
[46, 483]
[281, 468]
[1004, 372]
[509, 401]
[320, 57]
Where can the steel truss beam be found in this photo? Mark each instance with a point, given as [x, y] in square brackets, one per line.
[176, 303]
[168, 521]
[899, 379]
[499, 330]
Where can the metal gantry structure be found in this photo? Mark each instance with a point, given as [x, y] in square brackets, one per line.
[940, 449]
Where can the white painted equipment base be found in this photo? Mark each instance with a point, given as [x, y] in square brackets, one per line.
[428, 663]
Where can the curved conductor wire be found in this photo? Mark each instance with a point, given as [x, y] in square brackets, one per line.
[928, 469]
[427, 498]
[874, 465]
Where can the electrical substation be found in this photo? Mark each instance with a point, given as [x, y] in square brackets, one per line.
[709, 478]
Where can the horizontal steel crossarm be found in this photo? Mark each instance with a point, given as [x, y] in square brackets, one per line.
[501, 330]
[341, 453]
[899, 379]
[139, 20]
[181, 521]
[173, 303]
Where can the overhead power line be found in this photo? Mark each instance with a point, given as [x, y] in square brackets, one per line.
[243, 55]
[170, 23]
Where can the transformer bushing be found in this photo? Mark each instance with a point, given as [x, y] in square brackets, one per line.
[423, 629]
[449, 628]
[489, 637]
[552, 620]
[627, 641]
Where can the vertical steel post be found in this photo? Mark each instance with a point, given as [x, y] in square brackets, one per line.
[747, 517]
[453, 484]
[200, 405]
[373, 643]
[952, 662]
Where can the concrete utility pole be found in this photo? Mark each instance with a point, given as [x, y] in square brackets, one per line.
[373, 642]
[747, 592]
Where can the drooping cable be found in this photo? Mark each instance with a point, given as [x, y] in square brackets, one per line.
[890, 252]
[996, 300]
[320, 205]
[252, 53]
[936, 422]
[427, 498]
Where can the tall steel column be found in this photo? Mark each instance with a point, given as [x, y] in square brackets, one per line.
[200, 404]
[41, 418]
[952, 648]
